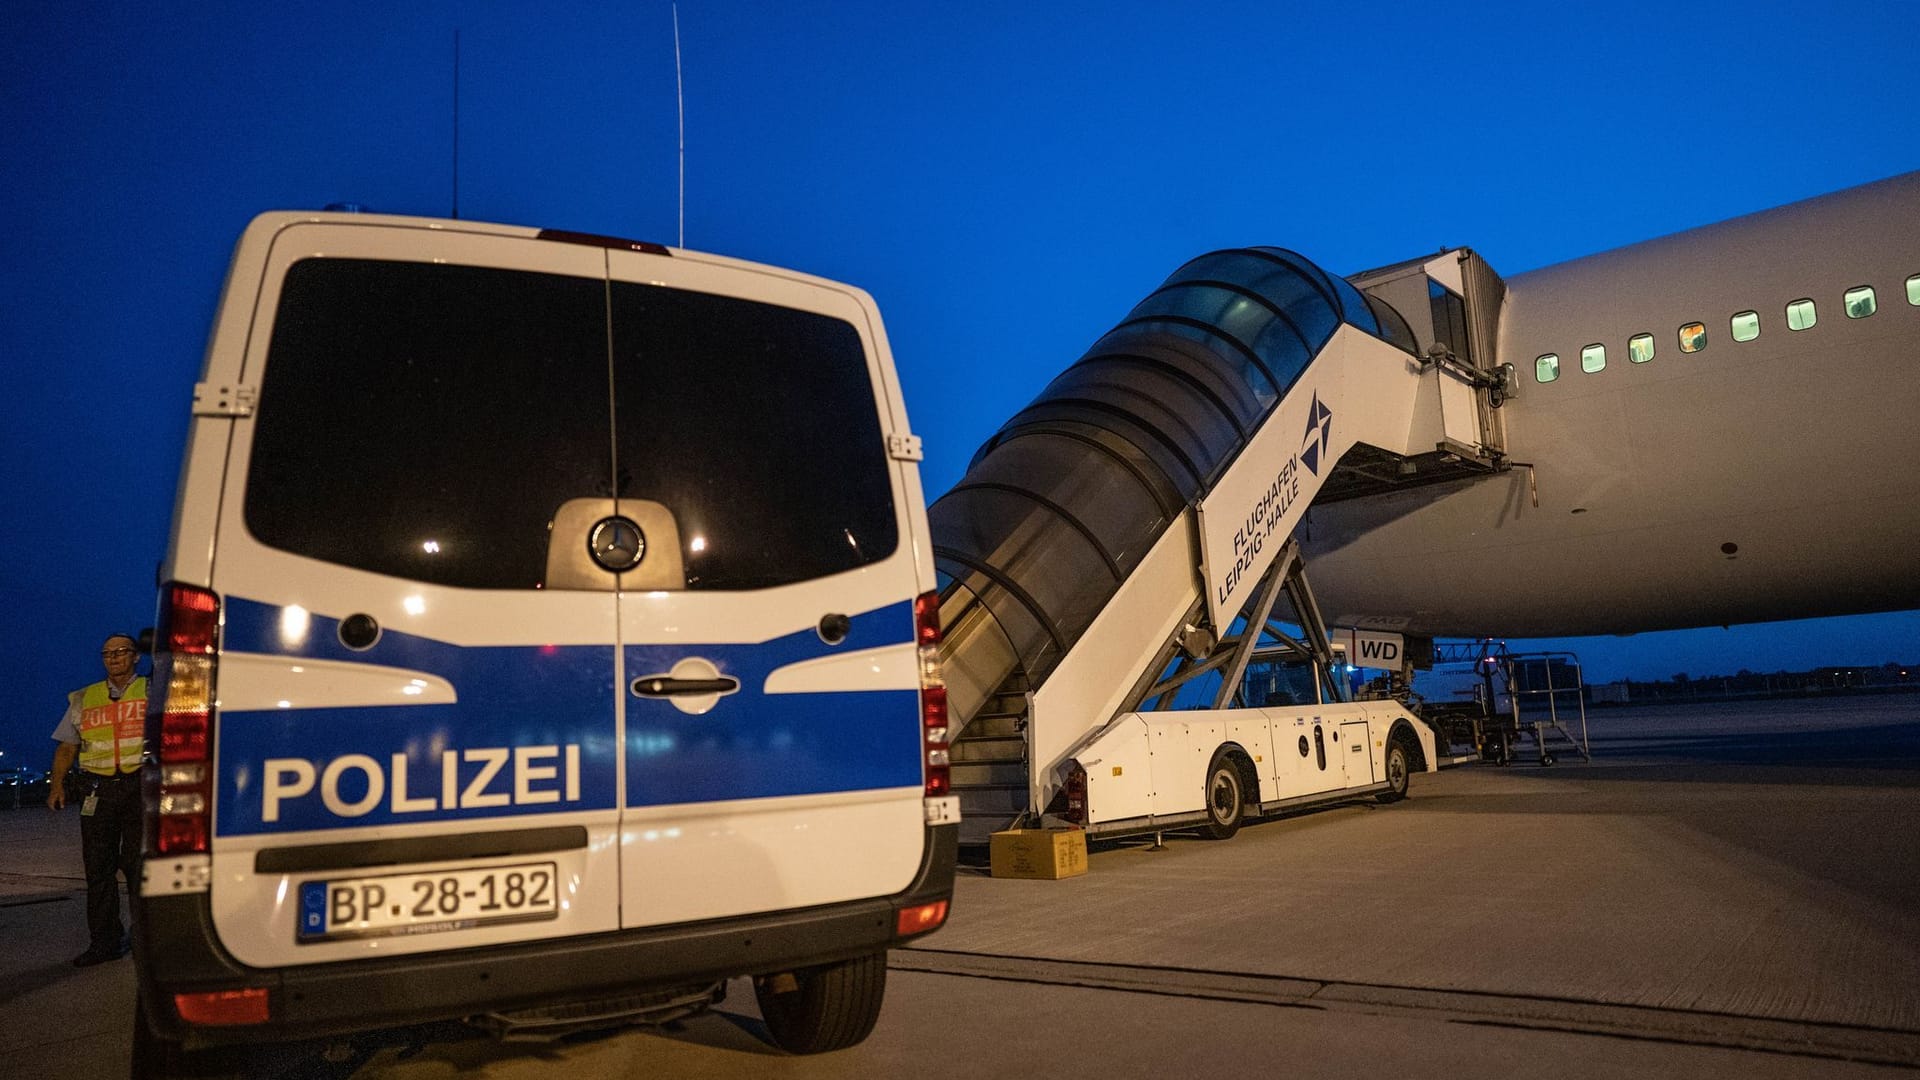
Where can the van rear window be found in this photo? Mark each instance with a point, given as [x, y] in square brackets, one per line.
[757, 426]
[426, 421]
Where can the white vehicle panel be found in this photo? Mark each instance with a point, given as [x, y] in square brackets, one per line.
[1169, 746]
[1206, 734]
[749, 616]
[895, 667]
[1384, 714]
[1177, 747]
[1319, 768]
[713, 860]
[465, 617]
[1356, 752]
[252, 682]
[1119, 770]
[1252, 731]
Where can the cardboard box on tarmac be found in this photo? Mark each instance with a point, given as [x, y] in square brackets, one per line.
[1047, 854]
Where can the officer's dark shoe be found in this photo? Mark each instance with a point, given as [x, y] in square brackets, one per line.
[97, 954]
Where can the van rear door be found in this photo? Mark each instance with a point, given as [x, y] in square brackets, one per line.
[416, 729]
[773, 748]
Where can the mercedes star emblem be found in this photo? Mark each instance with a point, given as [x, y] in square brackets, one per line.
[616, 544]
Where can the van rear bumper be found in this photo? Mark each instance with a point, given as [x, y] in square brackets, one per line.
[176, 951]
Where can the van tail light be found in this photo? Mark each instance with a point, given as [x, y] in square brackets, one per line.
[933, 693]
[920, 918]
[224, 1008]
[179, 793]
[1077, 794]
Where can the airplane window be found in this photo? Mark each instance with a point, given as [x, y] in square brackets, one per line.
[1593, 358]
[1640, 348]
[1746, 326]
[1693, 337]
[1913, 290]
[1800, 315]
[1546, 368]
[1859, 302]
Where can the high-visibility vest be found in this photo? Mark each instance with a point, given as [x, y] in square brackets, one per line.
[112, 733]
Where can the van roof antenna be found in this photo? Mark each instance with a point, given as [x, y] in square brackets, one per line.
[680, 102]
[456, 123]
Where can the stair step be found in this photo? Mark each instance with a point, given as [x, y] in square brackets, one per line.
[989, 749]
[999, 801]
[978, 774]
[986, 810]
[992, 727]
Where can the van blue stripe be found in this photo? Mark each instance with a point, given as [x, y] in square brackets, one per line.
[508, 696]
[751, 745]
[754, 745]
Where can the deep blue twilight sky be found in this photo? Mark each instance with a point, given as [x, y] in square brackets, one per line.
[1006, 179]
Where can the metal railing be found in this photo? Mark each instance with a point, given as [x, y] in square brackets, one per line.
[1547, 664]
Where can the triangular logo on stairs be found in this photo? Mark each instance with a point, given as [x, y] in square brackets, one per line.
[1319, 432]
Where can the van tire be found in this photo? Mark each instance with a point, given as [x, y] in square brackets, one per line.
[1398, 767]
[830, 1008]
[1226, 798]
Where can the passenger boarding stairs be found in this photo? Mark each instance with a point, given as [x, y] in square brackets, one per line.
[1128, 525]
[990, 755]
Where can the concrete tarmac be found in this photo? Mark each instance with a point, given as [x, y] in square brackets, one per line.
[1725, 890]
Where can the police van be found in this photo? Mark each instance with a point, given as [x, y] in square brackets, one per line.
[548, 632]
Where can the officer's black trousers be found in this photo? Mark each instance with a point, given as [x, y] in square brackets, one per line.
[110, 845]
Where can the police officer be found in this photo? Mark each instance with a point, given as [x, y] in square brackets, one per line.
[105, 728]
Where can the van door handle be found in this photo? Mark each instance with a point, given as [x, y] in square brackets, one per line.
[659, 686]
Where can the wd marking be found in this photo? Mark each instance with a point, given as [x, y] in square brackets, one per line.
[1369, 648]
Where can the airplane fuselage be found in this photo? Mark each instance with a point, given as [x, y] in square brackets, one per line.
[1749, 480]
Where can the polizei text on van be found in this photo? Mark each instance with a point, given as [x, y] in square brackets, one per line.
[353, 785]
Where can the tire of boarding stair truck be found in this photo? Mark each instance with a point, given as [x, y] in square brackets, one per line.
[1399, 770]
[1226, 799]
[825, 1008]
[157, 1058]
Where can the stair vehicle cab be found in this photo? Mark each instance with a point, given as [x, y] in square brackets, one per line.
[549, 631]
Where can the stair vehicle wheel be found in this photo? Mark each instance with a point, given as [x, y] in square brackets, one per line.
[824, 1008]
[1226, 800]
[1399, 771]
